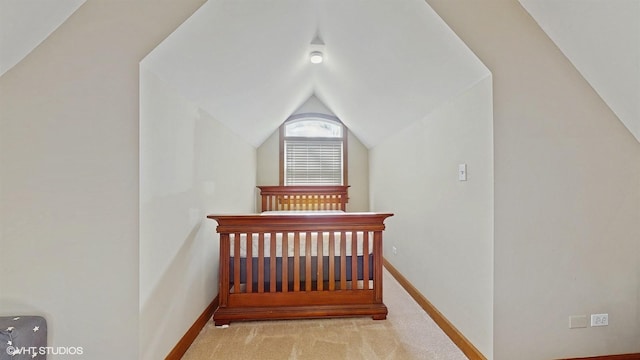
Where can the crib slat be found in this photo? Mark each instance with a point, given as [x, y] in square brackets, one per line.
[261, 262]
[272, 263]
[307, 253]
[332, 265]
[343, 261]
[285, 262]
[354, 259]
[296, 261]
[319, 261]
[365, 260]
[249, 262]
[236, 263]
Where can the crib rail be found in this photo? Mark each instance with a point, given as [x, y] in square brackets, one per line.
[303, 198]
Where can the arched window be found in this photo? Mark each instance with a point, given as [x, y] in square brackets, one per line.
[313, 150]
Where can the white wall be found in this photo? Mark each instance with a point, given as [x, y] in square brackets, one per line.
[190, 166]
[358, 163]
[442, 227]
[69, 168]
[567, 193]
[313, 105]
[268, 161]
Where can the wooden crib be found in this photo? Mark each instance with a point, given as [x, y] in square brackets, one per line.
[311, 263]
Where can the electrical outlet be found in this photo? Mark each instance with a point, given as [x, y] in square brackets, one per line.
[394, 250]
[599, 319]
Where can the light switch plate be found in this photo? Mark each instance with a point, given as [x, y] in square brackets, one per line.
[462, 172]
[577, 321]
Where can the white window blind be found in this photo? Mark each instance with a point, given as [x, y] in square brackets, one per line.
[313, 162]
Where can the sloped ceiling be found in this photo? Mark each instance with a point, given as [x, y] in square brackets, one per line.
[24, 24]
[388, 63]
[602, 40]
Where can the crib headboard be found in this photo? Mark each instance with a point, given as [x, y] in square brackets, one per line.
[304, 198]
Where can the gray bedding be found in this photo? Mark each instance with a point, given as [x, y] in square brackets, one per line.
[22, 337]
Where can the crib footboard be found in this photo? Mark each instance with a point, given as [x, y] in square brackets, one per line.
[300, 266]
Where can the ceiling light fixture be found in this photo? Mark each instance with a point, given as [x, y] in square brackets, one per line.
[316, 57]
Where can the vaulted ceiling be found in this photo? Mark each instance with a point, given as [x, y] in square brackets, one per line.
[602, 40]
[388, 63]
[24, 24]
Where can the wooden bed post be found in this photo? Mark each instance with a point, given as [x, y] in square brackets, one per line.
[377, 266]
[223, 271]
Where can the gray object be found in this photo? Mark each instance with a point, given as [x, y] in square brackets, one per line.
[22, 337]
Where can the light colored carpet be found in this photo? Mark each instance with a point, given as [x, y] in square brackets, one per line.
[408, 333]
